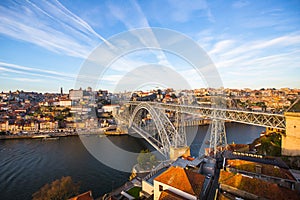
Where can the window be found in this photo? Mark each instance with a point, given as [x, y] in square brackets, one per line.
[161, 188]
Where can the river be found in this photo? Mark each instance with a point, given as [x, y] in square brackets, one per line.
[28, 164]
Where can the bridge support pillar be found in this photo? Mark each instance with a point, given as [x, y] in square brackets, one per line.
[179, 151]
[218, 140]
[290, 145]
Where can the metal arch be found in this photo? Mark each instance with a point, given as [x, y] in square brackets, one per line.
[165, 128]
[218, 115]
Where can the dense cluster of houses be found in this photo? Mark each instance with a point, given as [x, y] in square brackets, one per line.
[31, 112]
[22, 112]
[229, 176]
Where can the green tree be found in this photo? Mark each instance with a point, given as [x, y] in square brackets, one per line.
[153, 160]
[142, 158]
[59, 189]
[146, 159]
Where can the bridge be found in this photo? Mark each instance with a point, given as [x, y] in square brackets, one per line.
[166, 138]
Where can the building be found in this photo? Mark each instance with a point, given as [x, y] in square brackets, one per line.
[65, 103]
[76, 94]
[251, 176]
[110, 108]
[178, 183]
[84, 196]
[240, 186]
[291, 140]
[267, 172]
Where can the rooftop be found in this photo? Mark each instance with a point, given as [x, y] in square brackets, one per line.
[184, 180]
[268, 170]
[159, 172]
[256, 186]
[168, 195]
[184, 162]
[264, 159]
[84, 196]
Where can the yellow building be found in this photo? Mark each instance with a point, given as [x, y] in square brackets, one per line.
[291, 140]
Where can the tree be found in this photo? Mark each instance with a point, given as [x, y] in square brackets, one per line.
[146, 159]
[153, 160]
[142, 158]
[59, 189]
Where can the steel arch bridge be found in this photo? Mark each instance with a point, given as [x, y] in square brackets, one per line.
[168, 136]
[246, 117]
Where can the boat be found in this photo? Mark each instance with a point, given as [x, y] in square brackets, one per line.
[41, 136]
[50, 138]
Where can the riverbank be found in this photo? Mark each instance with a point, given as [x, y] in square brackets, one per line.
[62, 134]
[117, 133]
[37, 136]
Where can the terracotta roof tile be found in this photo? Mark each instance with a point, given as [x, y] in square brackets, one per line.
[256, 186]
[269, 170]
[184, 180]
[84, 196]
[168, 195]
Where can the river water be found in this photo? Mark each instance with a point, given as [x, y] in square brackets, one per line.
[28, 164]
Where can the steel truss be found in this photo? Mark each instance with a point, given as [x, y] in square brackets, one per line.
[240, 116]
[218, 137]
[168, 135]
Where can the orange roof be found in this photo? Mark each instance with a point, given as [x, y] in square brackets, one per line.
[84, 196]
[256, 186]
[184, 180]
[168, 195]
[268, 170]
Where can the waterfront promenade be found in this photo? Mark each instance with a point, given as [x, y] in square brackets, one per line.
[38, 136]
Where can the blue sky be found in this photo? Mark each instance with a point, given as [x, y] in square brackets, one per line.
[253, 44]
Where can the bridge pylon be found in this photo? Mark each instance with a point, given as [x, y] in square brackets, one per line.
[180, 136]
[218, 140]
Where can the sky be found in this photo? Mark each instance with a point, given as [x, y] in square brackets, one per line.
[44, 44]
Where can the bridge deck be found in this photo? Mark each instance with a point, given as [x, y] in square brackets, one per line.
[247, 117]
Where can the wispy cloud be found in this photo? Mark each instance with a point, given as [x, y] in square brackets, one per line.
[240, 3]
[35, 72]
[250, 48]
[139, 21]
[262, 59]
[221, 46]
[49, 25]
[31, 75]
[183, 11]
[27, 80]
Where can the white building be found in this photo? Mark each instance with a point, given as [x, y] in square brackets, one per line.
[110, 108]
[76, 94]
[65, 103]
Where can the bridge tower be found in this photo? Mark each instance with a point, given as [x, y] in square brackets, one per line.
[180, 137]
[218, 140]
[180, 147]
